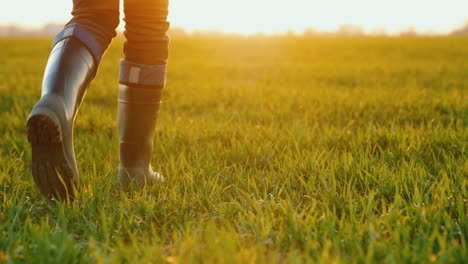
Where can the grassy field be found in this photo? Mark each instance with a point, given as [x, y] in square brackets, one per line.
[275, 150]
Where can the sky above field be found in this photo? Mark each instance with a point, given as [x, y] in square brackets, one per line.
[250, 16]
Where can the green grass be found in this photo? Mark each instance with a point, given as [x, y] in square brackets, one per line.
[275, 150]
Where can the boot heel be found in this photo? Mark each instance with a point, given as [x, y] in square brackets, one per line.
[51, 170]
[43, 127]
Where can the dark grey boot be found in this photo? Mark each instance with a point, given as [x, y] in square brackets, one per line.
[138, 107]
[69, 70]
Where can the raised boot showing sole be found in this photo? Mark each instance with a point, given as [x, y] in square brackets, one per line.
[69, 71]
[138, 108]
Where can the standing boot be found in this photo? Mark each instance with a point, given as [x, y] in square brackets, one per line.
[70, 68]
[138, 107]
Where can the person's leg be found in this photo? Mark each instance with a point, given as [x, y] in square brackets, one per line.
[72, 65]
[146, 26]
[142, 77]
[99, 18]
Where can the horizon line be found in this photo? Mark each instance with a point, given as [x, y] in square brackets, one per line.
[49, 28]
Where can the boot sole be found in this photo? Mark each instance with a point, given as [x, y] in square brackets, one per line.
[51, 170]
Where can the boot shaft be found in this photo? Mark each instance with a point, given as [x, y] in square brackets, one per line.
[138, 108]
[69, 71]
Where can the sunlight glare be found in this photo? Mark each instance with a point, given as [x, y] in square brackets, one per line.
[269, 16]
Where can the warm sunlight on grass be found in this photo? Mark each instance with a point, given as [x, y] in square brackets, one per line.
[275, 150]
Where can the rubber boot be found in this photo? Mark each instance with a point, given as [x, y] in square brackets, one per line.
[69, 71]
[138, 107]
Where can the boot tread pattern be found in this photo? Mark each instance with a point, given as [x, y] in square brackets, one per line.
[51, 170]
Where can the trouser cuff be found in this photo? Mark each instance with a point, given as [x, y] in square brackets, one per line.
[85, 37]
[132, 73]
